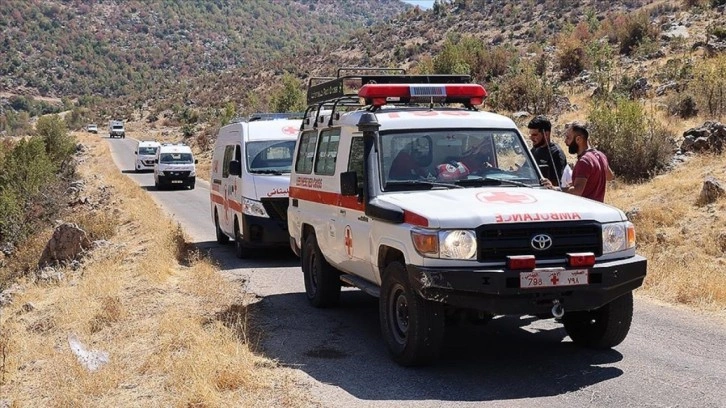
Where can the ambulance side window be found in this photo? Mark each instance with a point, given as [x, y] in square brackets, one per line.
[327, 152]
[304, 159]
[228, 152]
[238, 153]
[355, 160]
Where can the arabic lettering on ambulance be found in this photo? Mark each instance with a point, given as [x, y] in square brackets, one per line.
[309, 182]
[278, 191]
[555, 216]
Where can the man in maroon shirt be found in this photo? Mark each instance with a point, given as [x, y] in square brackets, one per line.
[591, 172]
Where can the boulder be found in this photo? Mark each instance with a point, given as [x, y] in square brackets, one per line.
[712, 190]
[67, 243]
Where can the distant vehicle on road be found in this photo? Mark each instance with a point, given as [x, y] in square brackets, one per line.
[116, 129]
[174, 165]
[145, 154]
[92, 128]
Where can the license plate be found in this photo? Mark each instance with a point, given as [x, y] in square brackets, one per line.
[555, 277]
[177, 181]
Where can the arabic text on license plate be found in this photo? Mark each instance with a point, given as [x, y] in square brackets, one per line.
[555, 277]
[177, 181]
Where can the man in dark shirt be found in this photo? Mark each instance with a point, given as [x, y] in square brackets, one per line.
[544, 151]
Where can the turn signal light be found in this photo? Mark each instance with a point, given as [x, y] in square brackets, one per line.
[521, 262]
[581, 259]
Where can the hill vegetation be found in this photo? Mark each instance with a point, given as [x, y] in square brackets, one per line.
[100, 48]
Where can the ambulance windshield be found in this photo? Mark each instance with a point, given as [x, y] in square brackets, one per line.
[176, 158]
[270, 156]
[457, 157]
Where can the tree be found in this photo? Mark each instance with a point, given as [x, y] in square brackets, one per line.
[288, 98]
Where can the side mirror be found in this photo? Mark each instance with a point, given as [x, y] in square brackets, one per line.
[136, 152]
[196, 161]
[348, 183]
[235, 169]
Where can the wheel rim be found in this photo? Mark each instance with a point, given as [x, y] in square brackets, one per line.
[398, 314]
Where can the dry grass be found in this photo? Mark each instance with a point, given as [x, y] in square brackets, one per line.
[176, 333]
[680, 239]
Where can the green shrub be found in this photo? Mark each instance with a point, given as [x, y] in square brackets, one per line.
[58, 143]
[523, 89]
[636, 145]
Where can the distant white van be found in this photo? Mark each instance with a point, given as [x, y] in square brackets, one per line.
[174, 165]
[250, 180]
[146, 154]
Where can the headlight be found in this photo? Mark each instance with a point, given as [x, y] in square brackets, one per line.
[252, 207]
[193, 173]
[618, 236]
[451, 244]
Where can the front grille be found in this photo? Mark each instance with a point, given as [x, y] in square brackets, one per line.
[177, 173]
[276, 207]
[496, 242]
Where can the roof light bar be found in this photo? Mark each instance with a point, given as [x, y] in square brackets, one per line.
[381, 94]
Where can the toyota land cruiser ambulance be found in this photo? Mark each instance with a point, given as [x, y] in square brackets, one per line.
[146, 154]
[439, 212]
[174, 165]
[250, 179]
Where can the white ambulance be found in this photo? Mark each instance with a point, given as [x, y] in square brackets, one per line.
[174, 166]
[146, 154]
[250, 179]
[439, 212]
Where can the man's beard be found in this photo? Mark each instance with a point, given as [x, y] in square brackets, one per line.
[572, 148]
[541, 143]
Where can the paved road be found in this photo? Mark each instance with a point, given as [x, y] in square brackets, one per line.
[671, 358]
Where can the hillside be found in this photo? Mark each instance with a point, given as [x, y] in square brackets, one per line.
[81, 48]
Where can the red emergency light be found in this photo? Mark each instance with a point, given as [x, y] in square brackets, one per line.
[381, 94]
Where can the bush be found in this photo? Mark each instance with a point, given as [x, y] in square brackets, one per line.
[636, 145]
[523, 89]
[571, 58]
[709, 86]
[58, 143]
[682, 105]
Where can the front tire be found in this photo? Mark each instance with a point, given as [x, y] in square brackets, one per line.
[222, 238]
[322, 281]
[412, 326]
[239, 249]
[602, 328]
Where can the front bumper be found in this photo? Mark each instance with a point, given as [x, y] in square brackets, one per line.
[180, 180]
[498, 291]
[264, 232]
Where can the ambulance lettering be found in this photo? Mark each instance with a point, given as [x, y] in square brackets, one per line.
[309, 182]
[526, 217]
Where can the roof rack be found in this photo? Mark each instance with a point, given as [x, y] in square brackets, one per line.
[344, 90]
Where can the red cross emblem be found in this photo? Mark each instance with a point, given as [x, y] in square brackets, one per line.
[554, 279]
[505, 197]
[289, 130]
[348, 241]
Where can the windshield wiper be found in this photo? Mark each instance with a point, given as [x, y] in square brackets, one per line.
[489, 181]
[418, 184]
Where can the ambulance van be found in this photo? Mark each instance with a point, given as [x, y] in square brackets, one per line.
[146, 154]
[406, 190]
[175, 166]
[250, 179]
